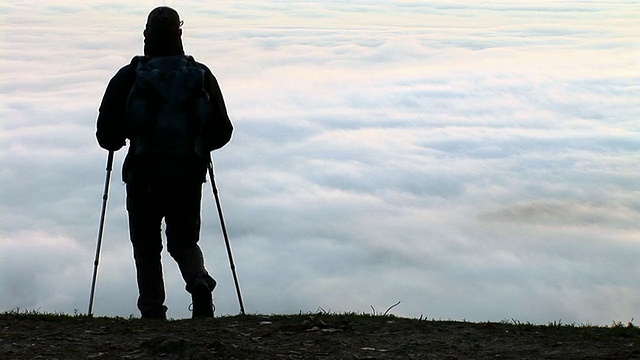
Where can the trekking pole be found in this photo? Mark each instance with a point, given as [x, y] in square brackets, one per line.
[226, 237]
[105, 196]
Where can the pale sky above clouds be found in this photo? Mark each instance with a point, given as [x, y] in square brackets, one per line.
[473, 160]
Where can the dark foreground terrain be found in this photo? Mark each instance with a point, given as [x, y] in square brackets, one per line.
[311, 336]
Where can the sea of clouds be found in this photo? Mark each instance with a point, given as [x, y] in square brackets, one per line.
[473, 160]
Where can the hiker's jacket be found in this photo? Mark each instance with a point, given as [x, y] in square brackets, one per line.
[113, 125]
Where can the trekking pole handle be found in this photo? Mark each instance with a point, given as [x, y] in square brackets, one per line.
[110, 160]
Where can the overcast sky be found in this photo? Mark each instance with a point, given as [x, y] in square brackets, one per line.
[472, 160]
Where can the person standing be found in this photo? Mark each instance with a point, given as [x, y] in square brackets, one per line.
[172, 111]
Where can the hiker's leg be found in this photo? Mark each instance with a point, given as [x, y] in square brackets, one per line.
[183, 231]
[145, 232]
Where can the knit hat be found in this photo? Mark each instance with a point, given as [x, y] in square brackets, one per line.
[163, 18]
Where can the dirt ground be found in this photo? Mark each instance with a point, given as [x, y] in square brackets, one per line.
[306, 336]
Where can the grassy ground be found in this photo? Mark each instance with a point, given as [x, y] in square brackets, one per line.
[31, 335]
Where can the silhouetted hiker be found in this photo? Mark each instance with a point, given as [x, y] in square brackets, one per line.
[171, 109]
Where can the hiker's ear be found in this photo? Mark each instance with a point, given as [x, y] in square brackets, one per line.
[145, 33]
[179, 32]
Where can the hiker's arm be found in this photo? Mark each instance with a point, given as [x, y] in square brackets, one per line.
[217, 132]
[112, 125]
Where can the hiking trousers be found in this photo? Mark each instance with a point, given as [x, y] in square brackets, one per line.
[179, 204]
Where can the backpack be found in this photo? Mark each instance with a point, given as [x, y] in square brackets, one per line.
[167, 109]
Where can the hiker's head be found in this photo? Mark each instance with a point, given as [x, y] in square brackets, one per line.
[162, 34]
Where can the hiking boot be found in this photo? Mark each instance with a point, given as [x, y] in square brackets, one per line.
[159, 313]
[202, 298]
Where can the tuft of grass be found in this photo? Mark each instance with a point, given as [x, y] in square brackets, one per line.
[386, 313]
[620, 324]
[37, 314]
